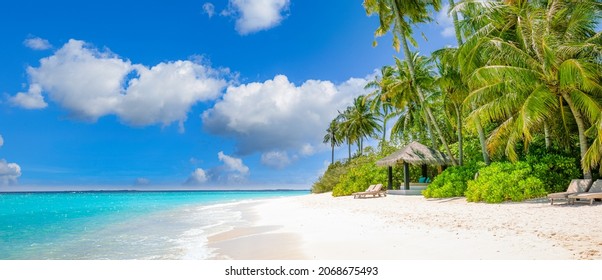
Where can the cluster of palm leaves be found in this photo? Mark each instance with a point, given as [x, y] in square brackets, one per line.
[353, 125]
[529, 69]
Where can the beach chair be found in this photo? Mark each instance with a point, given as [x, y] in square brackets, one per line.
[376, 190]
[370, 188]
[595, 191]
[576, 186]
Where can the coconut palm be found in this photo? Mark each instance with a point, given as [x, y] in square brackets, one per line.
[398, 17]
[461, 79]
[379, 100]
[403, 95]
[540, 57]
[333, 136]
[453, 89]
[360, 122]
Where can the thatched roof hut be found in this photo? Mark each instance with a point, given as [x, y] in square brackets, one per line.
[416, 154]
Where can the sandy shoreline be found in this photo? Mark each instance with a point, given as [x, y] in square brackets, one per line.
[322, 227]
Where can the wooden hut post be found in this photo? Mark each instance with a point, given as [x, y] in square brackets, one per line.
[406, 176]
[390, 186]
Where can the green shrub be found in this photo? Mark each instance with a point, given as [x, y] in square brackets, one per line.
[359, 177]
[331, 178]
[555, 171]
[503, 181]
[452, 182]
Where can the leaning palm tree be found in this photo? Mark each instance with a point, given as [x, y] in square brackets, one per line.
[403, 95]
[333, 136]
[379, 100]
[540, 57]
[398, 17]
[454, 91]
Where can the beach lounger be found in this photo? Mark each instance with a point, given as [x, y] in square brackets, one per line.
[576, 186]
[595, 191]
[370, 188]
[376, 190]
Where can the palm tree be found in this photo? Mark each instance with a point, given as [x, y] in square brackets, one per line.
[333, 136]
[403, 95]
[399, 16]
[461, 82]
[360, 122]
[379, 100]
[343, 131]
[540, 57]
[454, 90]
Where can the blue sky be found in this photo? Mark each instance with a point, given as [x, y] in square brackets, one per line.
[180, 94]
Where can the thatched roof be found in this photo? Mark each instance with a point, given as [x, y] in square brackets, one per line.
[417, 154]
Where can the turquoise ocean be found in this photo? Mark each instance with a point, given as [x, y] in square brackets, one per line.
[118, 225]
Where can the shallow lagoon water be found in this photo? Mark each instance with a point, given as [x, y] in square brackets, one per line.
[117, 225]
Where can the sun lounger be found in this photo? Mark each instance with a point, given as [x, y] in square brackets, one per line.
[594, 192]
[369, 189]
[576, 186]
[376, 190]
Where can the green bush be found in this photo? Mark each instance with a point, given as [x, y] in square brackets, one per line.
[452, 182]
[331, 178]
[359, 177]
[503, 181]
[555, 171]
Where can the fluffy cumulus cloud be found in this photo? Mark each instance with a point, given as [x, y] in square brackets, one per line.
[275, 159]
[233, 164]
[9, 172]
[256, 15]
[446, 22]
[31, 99]
[209, 9]
[197, 177]
[277, 115]
[91, 83]
[232, 171]
[37, 43]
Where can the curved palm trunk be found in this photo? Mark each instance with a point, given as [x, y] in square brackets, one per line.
[546, 131]
[478, 125]
[587, 174]
[483, 141]
[406, 51]
[460, 138]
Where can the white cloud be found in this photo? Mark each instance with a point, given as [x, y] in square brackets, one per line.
[275, 159]
[9, 172]
[32, 99]
[446, 22]
[37, 43]
[232, 171]
[233, 164]
[197, 177]
[90, 84]
[209, 9]
[277, 115]
[256, 15]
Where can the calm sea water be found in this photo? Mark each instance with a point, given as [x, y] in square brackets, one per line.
[118, 225]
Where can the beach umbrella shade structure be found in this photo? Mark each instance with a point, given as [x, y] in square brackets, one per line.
[416, 154]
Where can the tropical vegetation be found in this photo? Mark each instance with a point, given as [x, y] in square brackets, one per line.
[519, 99]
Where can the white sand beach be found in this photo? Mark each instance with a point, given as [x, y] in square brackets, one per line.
[322, 227]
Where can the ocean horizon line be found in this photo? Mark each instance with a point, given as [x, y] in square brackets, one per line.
[157, 190]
